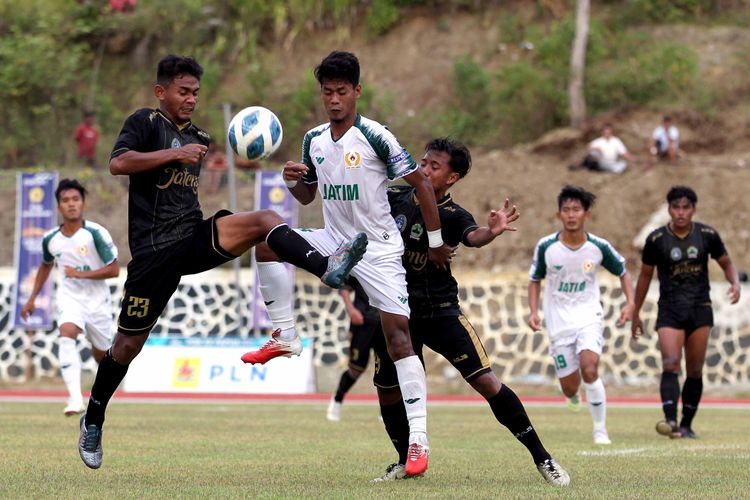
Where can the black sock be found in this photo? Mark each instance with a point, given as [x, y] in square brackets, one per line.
[346, 383]
[691, 396]
[108, 377]
[670, 393]
[397, 427]
[510, 412]
[294, 249]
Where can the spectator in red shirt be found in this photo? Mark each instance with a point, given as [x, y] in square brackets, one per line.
[87, 136]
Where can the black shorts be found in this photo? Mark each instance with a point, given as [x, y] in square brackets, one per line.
[688, 319]
[153, 278]
[452, 337]
[363, 337]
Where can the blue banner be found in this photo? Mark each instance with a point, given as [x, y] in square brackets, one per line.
[36, 213]
[271, 194]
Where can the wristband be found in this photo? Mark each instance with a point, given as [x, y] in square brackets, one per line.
[290, 184]
[435, 238]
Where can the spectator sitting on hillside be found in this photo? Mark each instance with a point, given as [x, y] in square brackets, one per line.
[605, 154]
[216, 168]
[665, 142]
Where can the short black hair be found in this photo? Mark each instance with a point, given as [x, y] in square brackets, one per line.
[338, 65]
[680, 192]
[667, 118]
[460, 161]
[173, 66]
[67, 184]
[569, 192]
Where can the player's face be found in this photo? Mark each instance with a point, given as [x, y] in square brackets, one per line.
[681, 211]
[71, 205]
[179, 98]
[572, 215]
[340, 99]
[436, 166]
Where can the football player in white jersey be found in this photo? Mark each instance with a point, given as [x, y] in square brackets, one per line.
[87, 256]
[569, 260]
[350, 160]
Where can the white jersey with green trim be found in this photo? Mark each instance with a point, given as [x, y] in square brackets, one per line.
[352, 174]
[571, 293]
[90, 248]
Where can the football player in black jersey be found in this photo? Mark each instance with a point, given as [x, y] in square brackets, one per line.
[679, 251]
[436, 319]
[162, 151]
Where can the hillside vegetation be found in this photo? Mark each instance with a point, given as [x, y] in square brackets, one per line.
[493, 74]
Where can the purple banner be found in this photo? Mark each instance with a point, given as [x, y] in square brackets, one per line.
[36, 213]
[271, 194]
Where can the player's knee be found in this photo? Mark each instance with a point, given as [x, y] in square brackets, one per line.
[263, 253]
[694, 371]
[126, 348]
[589, 373]
[399, 346]
[671, 364]
[269, 219]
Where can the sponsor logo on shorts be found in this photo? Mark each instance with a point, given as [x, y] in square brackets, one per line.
[403, 299]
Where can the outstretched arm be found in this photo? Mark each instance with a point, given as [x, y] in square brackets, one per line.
[641, 289]
[135, 162]
[498, 221]
[730, 272]
[439, 253]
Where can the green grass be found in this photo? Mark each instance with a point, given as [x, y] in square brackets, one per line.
[272, 451]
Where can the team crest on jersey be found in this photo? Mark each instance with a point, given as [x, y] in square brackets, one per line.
[416, 231]
[83, 250]
[400, 222]
[176, 144]
[588, 266]
[675, 254]
[352, 159]
[692, 252]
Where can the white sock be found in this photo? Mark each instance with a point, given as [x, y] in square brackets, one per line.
[596, 397]
[278, 294]
[70, 367]
[411, 378]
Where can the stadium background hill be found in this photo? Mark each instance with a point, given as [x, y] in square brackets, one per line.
[492, 74]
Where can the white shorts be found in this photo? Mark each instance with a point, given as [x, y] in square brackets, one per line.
[382, 278]
[95, 320]
[566, 350]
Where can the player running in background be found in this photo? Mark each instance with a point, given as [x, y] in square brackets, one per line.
[87, 256]
[680, 251]
[569, 260]
[162, 151]
[364, 330]
[349, 160]
[436, 319]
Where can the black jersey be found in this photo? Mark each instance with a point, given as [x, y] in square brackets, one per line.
[433, 291]
[163, 203]
[682, 264]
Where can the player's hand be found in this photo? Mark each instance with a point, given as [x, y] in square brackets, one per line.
[27, 309]
[191, 154]
[71, 272]
[499, 220]
[293, 172]
[626, 314]
[734, 293]
[355, 317]
[441, 256]
[636, 328]
[535, 322]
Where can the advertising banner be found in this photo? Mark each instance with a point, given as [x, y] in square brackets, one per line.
[213, 365]
[271, 194]
[36, 213]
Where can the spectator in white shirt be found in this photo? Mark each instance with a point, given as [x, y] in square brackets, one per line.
[665, 142]
[606, 154]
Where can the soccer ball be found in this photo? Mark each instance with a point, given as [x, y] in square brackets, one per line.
[255, 133]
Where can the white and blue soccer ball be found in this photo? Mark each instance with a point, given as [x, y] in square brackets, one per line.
[255, 133]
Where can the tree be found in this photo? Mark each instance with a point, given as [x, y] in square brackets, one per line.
[578, 65]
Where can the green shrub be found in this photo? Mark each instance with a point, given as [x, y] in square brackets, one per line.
[382, 15]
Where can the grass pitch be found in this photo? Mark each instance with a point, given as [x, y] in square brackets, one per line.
[291, 451]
